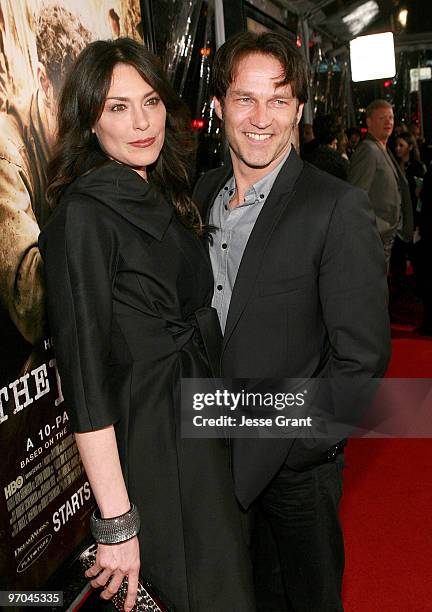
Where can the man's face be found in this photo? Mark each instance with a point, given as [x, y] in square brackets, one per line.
[259, 116]
[308, 134]
[48, 96]
[415, 130]
[380, 123]
[353, 141]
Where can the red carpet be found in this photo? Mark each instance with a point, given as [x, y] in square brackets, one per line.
[387, 507]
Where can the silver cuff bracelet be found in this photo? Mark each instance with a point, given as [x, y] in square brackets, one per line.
[117, 529]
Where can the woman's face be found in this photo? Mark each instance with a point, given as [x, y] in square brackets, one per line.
[131, 129]
[402, 148]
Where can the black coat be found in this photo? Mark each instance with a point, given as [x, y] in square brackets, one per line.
[310, 300]
[129, 289]
[325, 158]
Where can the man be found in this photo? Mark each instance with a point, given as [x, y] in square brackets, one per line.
[308, 134]
[27, 133]
[300, 291]
[354, 139]
[424, 149]
[374, 169]
[322, 152]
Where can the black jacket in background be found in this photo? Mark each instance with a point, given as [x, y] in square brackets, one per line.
[327, 159]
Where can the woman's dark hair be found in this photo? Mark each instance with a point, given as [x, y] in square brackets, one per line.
[295, 69]
[414, 153]
[81, 104]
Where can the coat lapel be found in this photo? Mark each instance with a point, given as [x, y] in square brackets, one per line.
[220, 182]
[279, 198]
[388, 158]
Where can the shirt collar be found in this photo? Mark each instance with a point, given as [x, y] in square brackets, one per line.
[259, 191]
[263, 187]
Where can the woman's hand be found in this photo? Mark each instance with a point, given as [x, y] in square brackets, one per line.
[115, 561]
[99, 454]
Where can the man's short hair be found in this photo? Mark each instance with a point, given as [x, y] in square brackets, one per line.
[60, 37]
[325, 129]
[353, 130]
[375, 104]
[295, 68]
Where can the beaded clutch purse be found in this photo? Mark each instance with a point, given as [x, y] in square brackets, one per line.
[147, 600]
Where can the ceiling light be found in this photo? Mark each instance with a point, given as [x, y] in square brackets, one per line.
[358, 19]
[403, 17]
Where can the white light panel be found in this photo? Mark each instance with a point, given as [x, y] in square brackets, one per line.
[372, 57]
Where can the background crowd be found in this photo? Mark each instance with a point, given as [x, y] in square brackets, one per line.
[392, 162]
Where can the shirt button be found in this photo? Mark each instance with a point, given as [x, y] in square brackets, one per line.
[261, 196]
[224, 246]
[219, 287]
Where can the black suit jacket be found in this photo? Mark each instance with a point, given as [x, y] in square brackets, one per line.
[310, 300]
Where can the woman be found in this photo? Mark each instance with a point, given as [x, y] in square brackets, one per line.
[423, 255]
[408, 156]
[129, 287]
[407, 153]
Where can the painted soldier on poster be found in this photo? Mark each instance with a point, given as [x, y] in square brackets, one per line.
[41, 477]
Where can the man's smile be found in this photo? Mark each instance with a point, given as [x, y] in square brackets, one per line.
[258, 137]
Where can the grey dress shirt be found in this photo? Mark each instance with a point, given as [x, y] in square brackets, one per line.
[234, 226]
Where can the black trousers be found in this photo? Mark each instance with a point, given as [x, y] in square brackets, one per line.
[297, 541]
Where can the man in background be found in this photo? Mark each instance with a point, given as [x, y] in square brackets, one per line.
[27, 133]
[354, 139]
[374, 169]
[322, 152]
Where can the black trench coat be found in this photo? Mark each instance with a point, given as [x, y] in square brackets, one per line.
[125, 281]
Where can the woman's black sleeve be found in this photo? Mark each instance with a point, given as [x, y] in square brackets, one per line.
[79, 250]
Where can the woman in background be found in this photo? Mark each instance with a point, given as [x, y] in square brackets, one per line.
[408, 155]
[129, 290]
[423, 254]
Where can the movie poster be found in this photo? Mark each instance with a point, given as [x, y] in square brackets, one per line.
[45, 497]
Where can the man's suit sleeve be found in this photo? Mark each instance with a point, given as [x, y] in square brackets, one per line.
[353, 290]
[362, 167]
[354, 299]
